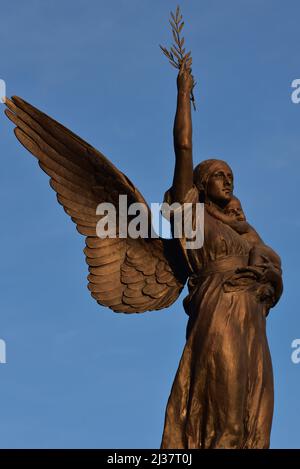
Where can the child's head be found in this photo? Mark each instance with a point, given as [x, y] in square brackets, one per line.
[234, 209]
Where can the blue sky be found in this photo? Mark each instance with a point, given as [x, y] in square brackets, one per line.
[78, 375]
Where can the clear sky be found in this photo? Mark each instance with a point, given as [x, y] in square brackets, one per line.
[79, 375]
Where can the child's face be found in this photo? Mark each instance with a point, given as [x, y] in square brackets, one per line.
[234, 210]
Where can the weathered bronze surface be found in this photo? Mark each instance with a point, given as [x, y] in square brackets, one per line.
[222, 395]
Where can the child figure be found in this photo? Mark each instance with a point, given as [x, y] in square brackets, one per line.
[263, 261]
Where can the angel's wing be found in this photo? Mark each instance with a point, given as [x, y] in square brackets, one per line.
[127, 275]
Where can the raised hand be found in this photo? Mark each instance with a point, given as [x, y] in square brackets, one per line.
[185, 80]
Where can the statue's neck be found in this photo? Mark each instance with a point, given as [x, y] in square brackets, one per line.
[215, 206]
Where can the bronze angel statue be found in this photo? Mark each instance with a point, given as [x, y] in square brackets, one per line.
[222, 395]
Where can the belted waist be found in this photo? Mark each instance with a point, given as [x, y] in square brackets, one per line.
[226, 264]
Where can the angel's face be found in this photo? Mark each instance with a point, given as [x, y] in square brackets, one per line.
[220, 185]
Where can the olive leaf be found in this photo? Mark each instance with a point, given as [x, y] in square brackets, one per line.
[176, 55]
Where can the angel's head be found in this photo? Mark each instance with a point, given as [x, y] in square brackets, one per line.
[214, 180]
[234, 209]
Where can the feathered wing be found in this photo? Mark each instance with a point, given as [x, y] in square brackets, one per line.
[127, 275]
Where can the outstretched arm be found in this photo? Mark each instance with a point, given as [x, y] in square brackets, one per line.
[183, 174]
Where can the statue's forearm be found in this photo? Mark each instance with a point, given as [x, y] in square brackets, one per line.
[182, 132]
[183, 123]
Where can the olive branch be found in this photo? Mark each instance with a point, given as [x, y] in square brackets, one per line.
[177, 55]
